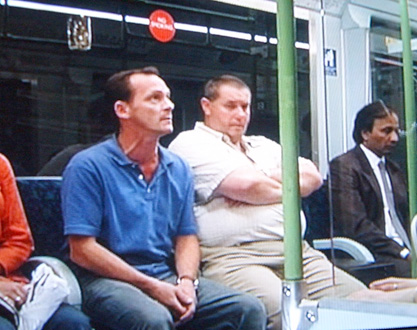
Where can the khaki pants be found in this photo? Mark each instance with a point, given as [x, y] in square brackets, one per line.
[258, 268]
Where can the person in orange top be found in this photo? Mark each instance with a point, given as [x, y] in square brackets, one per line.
[16, 245]
[16, 242]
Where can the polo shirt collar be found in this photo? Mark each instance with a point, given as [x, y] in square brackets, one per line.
[121, 158]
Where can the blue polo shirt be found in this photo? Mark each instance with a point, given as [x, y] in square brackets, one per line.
[104, 195]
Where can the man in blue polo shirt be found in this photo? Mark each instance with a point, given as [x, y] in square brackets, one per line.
[127, 206]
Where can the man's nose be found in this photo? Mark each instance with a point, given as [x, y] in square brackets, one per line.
[242, 112]
[394, 136]
[169, 104]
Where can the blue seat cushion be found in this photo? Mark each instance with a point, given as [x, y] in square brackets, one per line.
[42, 203]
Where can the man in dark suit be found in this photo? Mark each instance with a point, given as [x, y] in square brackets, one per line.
[365, 208]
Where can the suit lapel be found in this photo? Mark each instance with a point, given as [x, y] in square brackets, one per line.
[367, 171]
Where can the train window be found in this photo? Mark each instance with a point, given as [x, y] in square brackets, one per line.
[51, 96]
[387, 73]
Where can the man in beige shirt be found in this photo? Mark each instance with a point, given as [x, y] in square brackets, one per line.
[238, 202]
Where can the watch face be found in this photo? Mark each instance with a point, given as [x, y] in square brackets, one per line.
[196, 281]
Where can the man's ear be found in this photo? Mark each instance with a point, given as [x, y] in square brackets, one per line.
[121, 109]
[365, 135]
[205, 105]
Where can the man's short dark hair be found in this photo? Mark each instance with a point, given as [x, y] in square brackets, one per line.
[365, 118]
[118, 86]
[211, 87]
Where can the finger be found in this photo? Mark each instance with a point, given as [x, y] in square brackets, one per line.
[380, 283]
[184, 298]
[386, 287]
[9, 300]
[19, 301]
[188, 315]
[18, 295]
[22, 292]
[386, 280]
[178, 310]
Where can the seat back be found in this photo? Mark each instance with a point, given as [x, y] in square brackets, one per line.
[42, 203]
[316, 211]
[348, 254]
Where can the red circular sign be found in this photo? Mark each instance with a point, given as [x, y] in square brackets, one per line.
[161, 25]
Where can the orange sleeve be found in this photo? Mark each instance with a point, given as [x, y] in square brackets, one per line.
[16, 243]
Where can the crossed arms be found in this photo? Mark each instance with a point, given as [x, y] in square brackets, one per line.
[249, 185]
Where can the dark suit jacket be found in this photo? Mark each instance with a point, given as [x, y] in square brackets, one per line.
[357, 202]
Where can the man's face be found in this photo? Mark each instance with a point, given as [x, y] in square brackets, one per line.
[384, 135]
[229, 113]
[150, 107]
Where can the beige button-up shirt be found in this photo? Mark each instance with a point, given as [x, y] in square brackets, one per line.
[212, 157]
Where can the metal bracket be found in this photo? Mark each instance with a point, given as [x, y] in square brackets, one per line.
[298, 313]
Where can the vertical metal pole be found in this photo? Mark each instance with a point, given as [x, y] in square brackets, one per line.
[410, 113]
[289, 139]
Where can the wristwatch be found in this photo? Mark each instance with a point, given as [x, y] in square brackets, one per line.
[195, 281]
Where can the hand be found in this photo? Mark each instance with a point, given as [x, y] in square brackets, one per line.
[171, 297]
[187, 296]
[393, 283]
[276, 174]
[14, 293]
[369, 295]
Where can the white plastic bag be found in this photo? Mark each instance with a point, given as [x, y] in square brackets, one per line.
[46, 291]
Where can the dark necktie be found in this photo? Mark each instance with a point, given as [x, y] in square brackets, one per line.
[391, 207]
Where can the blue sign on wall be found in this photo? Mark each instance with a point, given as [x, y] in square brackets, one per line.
[330, 62]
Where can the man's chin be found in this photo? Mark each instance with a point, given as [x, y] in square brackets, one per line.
[389, 151]
[167, 131]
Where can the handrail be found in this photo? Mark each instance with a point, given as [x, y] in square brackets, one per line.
[289, 139]
[410, 115]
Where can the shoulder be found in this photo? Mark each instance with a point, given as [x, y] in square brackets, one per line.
[89, 161]
[351, 163]
[6, 170]
[197, 146]
[174, 161]
[349, 157]
[187, 139]
[4, 163]
[93, 153]
[261, 141]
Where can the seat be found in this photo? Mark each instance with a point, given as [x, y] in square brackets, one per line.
[354, 249]
[318, 232]
[42, 203]
[344, 252]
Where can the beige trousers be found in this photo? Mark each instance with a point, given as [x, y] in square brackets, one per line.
[258, 268]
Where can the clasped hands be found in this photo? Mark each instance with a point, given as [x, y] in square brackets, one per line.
[180, 299]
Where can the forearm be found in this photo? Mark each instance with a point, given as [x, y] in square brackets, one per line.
[89, 254]
[187, 256]
[13, 256]
[252, 186]
[17, 244]
[310, 177]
